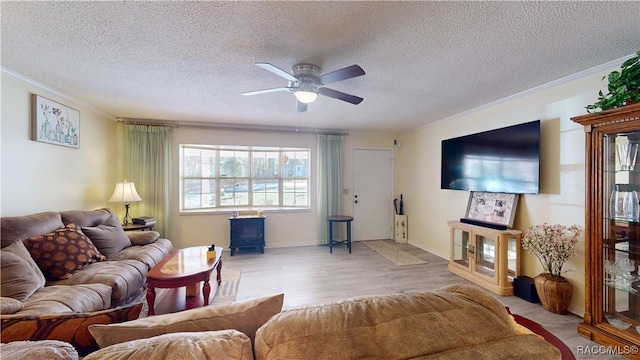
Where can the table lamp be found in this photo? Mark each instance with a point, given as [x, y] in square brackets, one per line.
[125, 192]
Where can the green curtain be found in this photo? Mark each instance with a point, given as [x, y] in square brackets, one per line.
[147, 162]
[329, 184]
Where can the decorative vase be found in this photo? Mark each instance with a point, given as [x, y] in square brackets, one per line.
[554, 292]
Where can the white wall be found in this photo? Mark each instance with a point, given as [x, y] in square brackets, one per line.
[562, 194]
[40, 177]
[282, 228]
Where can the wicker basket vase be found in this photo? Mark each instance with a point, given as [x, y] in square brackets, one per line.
[554, 292]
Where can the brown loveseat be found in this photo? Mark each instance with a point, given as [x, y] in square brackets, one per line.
[64, 269]
[457, 322]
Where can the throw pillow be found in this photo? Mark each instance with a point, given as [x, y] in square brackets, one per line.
[10, 305]
[63, 252]
[143, 237]
[245, 316]
[71, 328]
[46, 349]
[20, 276]
[109, 237]
[224, 344]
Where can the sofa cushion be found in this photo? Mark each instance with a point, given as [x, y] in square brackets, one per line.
[20, 276]
[513, 347]
[245, 316]
[16, 228]
[143, 237]
[398, 326]
[61, 253]
[110, 239]
[149, 254]
[101, 226]
[9, 305]
[126, 278]
[223, 344]
[84, 218]
[71, 328]
[45, 349]
[60, 299]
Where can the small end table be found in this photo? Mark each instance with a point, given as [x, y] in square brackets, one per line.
[339, 219]
[134, 227]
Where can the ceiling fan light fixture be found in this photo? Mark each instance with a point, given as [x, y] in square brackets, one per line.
[306, 96]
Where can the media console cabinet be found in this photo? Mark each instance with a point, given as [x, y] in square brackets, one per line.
[485, 256]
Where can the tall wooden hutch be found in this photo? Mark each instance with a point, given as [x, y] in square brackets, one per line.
[612, 228]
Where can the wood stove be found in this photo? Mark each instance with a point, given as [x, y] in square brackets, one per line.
[246, 232]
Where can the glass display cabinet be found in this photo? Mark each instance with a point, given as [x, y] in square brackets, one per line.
[487, 257]
[612, 228]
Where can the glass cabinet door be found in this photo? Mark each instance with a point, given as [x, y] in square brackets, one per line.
[621, 233]
[513, 248]
[461, 247]
[486, 251]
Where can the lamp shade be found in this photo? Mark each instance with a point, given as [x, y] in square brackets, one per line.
[125, 192]
[306, 96]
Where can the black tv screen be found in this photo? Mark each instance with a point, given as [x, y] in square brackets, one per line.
[502, 160]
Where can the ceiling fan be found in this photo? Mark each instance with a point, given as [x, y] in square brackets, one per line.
[306, 83]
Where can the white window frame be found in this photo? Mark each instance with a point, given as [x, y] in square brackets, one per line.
[218, 179]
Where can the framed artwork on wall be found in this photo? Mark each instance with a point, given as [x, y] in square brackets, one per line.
[497, 208]
[54, 123]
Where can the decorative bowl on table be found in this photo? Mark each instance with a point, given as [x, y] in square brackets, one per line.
[617, 323]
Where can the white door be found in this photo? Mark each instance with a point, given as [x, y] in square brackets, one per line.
[372, 194]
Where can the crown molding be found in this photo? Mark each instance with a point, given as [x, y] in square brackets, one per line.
[534, 90]
[56, 92]
[230, 126]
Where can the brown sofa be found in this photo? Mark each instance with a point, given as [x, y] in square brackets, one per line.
[457, 322]
[71, 265]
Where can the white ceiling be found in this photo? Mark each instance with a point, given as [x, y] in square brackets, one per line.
[424, 61]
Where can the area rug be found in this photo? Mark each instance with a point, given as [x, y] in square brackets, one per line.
[228, 288]
[393, 253]
[225, 294]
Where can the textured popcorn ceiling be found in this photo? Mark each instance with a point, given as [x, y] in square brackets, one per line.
[425, 61]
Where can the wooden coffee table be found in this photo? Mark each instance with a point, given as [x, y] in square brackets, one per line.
[183, 267]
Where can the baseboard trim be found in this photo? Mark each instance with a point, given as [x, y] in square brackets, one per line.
[430, 250]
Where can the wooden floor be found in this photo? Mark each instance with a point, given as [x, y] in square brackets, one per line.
[310, 275]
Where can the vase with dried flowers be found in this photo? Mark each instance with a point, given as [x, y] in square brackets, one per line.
[553, 245]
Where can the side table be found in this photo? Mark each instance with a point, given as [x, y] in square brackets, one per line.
[339, 219]
[134, 227]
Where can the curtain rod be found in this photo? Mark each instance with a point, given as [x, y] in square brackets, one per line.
[228, 126]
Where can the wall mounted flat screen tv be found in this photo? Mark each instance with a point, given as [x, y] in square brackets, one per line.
[502, 160]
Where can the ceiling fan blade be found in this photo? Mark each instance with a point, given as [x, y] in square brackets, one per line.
[277, 71]
[342, 74]
[355, 100]
[300, 106]
[265, 91]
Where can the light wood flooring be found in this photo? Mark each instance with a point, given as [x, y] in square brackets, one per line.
[311, 275]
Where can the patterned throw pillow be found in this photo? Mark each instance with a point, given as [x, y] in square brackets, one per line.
[61, 253]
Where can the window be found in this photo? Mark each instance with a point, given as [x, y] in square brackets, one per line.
[218, 177]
